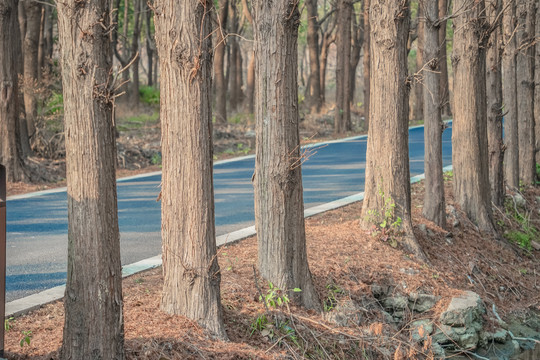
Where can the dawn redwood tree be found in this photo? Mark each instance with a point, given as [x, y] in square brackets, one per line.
[434, 204]
[314, 92]
[10, 152]
[525, 13]
[387, 166]
[279, 206]
[342, 117]
[511, 137]
[357, 35]
[417, 112]
[469, 130]
[94, 326]
[191, 272]
[367, 62]
[537, 86]
[219, 62]
[31, 64]
[494, 104]
[443, 65]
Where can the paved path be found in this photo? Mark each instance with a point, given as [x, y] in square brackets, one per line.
[37, 223]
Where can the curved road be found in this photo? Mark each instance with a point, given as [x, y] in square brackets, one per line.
[37, 222]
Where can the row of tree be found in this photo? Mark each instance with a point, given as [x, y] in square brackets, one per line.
[183, 32]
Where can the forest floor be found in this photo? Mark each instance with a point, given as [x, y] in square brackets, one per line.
[348, 266]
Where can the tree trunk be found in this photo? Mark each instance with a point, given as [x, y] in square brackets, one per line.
[537, 87]
[328, 39]
[367, 62]
[434, 203]
[314, 98]
[418, 88]
[93, 327]
[525, 90]
[239, 74]
[357, 42]
[342, 117]
[387, 168]
[494, 105]
[511, 137]
[31, 47]
[469, 131]
[443, 64]
[191, 278]
[219, 62]
[133, 91]
[250, 89]
[279, 206]
[150, 45]
[10, 153]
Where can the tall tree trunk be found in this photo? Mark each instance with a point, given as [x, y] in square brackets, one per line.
[10, 152]
[511, 137]
[418, 88]
[494, 105]
[537, 86]
[239, 74]
[133, 91]
[434, 204]
[219, 62]
[191, 278]
[150, 45]
[328, 38]
[94, 326]
[279, 206]
[525, 89]
[250, 88]
[367, 62]
[387, 167]
[469, 131]
[31, 46]
[357, 42]
[443, 64]
[314, 98]
[342, 117]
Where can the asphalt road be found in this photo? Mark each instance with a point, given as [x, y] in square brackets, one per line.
[37, 223]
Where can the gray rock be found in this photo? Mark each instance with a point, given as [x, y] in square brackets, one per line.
[421, 329]
[345, 313]
[463, 310]
[396, 302]
[499, 336]
[422, 302]
[438, 351]
[519, 200]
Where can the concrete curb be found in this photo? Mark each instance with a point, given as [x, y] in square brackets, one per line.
[35, 301]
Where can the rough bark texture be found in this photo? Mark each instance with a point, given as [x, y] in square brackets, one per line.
[133, 92]
[93, 327]
[525, 13]
[31, 65]
[511, 137]
[314, 98]
[150, 45]
[494, 105]
[469, 131]
[250, 84]
[279, 206]
[219, 62]
[329, 37]
[387, 167]
[190, 268]
[357, 43]
[417, 112]
[367, 62]
[537, 85]
[10, 155]
[443, 65]
[434, 204]
[342, 117]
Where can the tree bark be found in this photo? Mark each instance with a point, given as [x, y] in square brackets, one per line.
[191, 278]
[387, 167]
[342, 117]
[314, 93]
[511, 136]
[93, 327]
[357, 43]
[418, 88]
[250, 85]
[329, 38]
[443, 58]
[10, 152]
[537, 86]
[31, 65]
[494, 105]
[525, 13]
[367, 62]
[469, 131]
[434, 203]
[279, 206]
[150, 45]
[219, 62]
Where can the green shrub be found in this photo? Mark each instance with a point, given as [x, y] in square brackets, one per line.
[149, 95]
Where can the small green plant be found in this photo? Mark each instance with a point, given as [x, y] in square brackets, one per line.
[523, 271]
[331, 299]
[8, 323]
[27, 336]
[523, 240]
[54, 104]
[276, 297]
[384, 220]
[241, 149]
[149, 95]
[259, 324]
[448, 175]
[156, 159]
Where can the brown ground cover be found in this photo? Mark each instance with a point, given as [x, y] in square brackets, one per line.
[345, 262]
